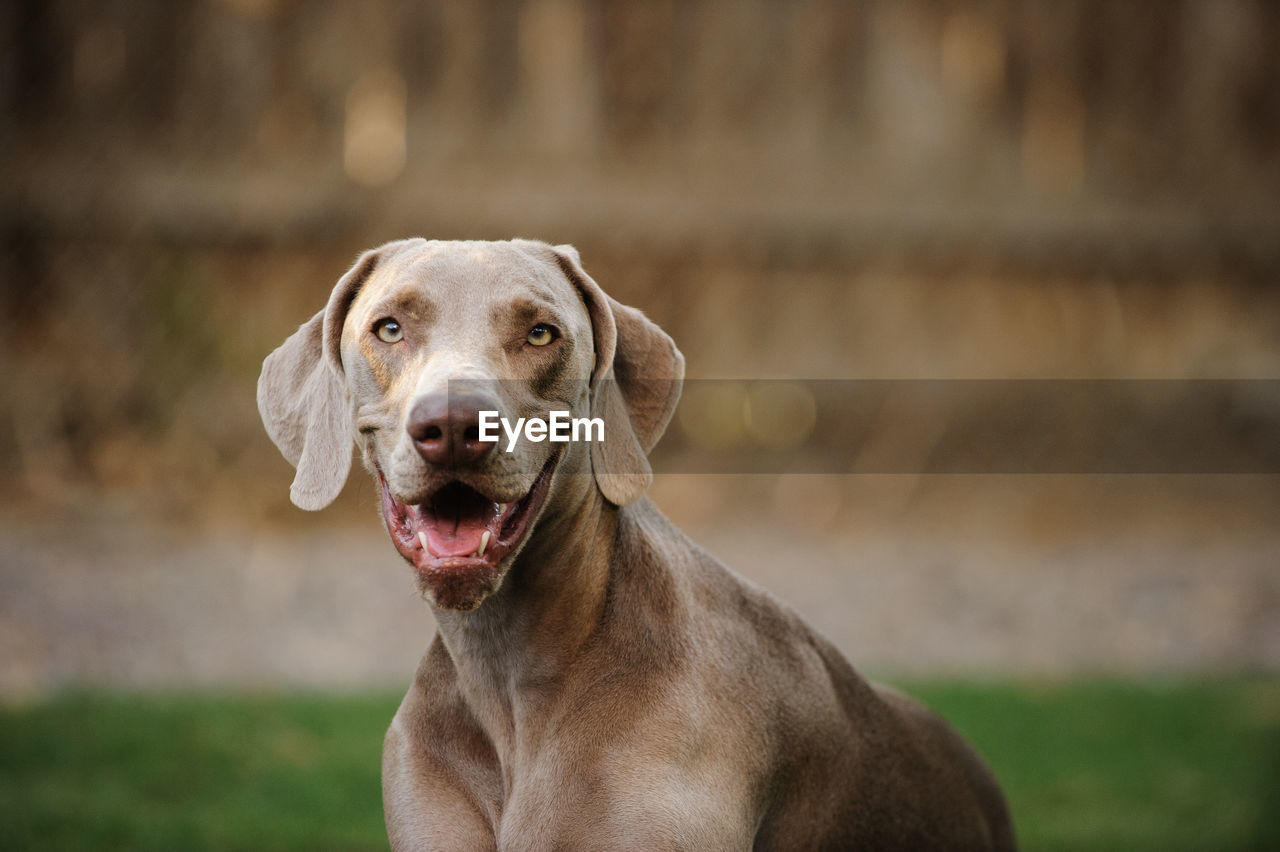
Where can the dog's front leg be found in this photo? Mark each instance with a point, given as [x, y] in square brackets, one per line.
[425, 800]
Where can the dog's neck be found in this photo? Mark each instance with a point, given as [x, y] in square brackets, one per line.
[516, 647]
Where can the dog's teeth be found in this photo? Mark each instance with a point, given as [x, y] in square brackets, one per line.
[422, 537]
[502, 507]
[484, 542]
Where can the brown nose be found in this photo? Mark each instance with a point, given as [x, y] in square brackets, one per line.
[445, 429]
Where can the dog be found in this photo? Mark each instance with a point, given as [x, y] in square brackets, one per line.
[597, 680]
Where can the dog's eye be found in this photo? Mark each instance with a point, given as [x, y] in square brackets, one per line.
[388, 330]
[541, 335]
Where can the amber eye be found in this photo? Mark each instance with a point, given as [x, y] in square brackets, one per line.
[541, 335]
[388, 330]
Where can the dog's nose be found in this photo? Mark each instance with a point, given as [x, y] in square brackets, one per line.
[445, 429]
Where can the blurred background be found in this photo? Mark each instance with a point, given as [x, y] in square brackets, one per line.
[866, 189]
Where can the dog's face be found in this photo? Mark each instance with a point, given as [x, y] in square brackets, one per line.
[417, 340]
[487, 324]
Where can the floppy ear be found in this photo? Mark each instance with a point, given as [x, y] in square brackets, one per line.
[302, 396]
[634, 388]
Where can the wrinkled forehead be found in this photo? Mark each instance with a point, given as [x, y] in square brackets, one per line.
[453, 281]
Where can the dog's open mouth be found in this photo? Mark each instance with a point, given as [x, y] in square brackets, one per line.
[458, 529]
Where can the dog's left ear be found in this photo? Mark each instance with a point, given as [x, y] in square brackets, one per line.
[302, 395]
[634, 388]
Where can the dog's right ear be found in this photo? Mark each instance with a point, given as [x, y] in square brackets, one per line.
[634, 387]
[302, 395]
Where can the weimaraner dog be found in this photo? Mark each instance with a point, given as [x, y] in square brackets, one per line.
[597, 680]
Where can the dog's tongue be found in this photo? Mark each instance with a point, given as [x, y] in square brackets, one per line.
[455, 520]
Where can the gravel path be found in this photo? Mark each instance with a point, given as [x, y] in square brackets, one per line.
[138, 603]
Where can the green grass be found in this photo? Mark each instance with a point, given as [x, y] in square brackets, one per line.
[1129, 766]
[88, 771]
[1086, 765]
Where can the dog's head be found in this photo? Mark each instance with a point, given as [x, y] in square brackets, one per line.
[417, 340]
